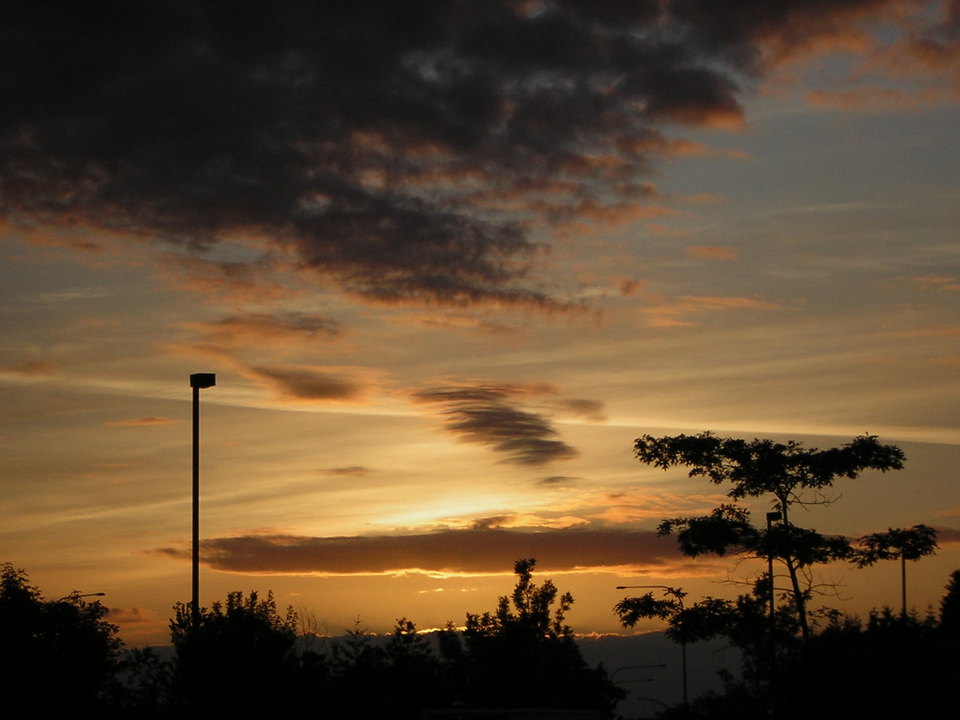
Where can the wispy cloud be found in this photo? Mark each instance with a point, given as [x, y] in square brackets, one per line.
[683, 310]
[488, 414]
[947, 283]
[30, 367]
[711, 252]
[275, 328]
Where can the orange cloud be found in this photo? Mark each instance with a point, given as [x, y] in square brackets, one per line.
[290, 328]
[947, 283]
[671, 313]
[236, 281]
[33, 367]
[863, 99]
[711, 252]
[143, 422]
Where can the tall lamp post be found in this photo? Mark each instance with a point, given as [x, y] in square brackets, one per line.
[678, 595]
[198, 381]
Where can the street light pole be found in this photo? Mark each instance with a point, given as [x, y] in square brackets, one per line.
[771, 518]
[198, 381]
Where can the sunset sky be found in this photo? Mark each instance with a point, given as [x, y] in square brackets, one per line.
[447, 260]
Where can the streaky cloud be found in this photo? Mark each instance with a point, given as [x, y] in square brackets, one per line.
[487, 414]
[483, 549]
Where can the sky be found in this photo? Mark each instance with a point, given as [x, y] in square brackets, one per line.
[448, 259]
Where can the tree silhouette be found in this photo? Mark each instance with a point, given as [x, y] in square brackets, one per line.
[788, 474]
[897, 544]
[671, 609]
[524, 655]
[238, 657]
[61, 654]
[950, 607]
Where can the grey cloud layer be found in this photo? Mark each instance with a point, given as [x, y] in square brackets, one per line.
[481, 550]
[379, 141]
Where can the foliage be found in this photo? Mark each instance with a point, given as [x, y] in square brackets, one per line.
[797, 663]
[789, 475]
[62, 654]
[950, 606]
[524, 654]
[897, 544]
[237, 656]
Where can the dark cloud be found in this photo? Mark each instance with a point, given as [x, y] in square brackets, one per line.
[364, 136]
[347, 470]
[143, 422]
[591, 410]
[480, 550]
[487, 414]
[290, 327]
[298, 383]
[946, 535]
[739, 31]
[558, 480]
[355, 134]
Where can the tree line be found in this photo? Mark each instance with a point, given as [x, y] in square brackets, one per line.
[247, 655]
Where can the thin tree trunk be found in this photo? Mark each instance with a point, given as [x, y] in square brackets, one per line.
[798, 597]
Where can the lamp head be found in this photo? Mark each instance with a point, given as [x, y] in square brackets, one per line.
[203, 380]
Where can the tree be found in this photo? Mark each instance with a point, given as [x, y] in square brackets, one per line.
[950, 606]
[61, 654]
[632, 610]
[789, 474]
[897, 544]
[523, 654]
[238, 657]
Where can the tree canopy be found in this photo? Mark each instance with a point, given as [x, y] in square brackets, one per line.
[789, 474]
[61, 654]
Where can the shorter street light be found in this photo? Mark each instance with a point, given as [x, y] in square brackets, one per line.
[77, 596]
[678, 594]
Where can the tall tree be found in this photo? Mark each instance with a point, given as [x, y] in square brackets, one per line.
[523, 654]
[897, 544]
[789, 474]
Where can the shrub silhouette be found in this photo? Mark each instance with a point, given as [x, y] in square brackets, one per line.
[238, 657]
[61, 654]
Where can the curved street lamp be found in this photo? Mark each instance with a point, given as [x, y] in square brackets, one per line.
[198, 381]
